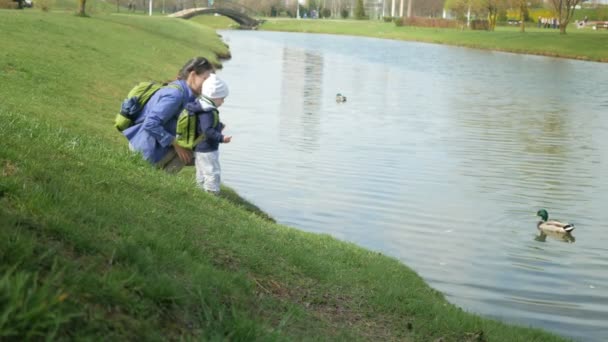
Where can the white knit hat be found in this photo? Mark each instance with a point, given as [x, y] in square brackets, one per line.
[214, 88]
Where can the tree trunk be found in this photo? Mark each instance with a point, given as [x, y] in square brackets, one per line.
[81, 7]
[522, 15]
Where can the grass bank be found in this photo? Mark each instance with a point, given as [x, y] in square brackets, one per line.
[583, 44]
[96, 244]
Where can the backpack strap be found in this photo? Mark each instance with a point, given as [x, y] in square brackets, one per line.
[216, 117]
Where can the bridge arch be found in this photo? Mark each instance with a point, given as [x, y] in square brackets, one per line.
[242, 19]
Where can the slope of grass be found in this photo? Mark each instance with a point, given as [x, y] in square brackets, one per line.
[91, 62]
[217, 22]
[578, 44]
[96, 244]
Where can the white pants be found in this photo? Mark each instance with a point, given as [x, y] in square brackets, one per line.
[208, 170]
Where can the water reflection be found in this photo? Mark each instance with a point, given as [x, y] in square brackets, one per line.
[542, 237]
[301, 99]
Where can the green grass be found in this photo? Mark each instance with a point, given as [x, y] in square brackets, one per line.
[217, 22]
[96, 244]
[578, 44]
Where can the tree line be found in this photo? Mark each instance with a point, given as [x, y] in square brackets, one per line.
[486, 9]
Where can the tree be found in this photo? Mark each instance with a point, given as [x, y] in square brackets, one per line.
[360, 10]
[81, 8]
[409, 8]
[491, 8]
[458, 8]
[523, 12]
[565, 11]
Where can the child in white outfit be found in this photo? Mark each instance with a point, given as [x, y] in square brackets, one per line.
[206, 153]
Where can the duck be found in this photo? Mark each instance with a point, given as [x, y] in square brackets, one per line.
[340, 98]
[552, 226]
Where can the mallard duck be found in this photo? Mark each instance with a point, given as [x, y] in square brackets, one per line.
[340, 98]
[553, 226]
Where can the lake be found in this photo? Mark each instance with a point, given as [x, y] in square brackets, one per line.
[440, 157]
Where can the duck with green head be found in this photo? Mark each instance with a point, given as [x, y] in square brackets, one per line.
[552, 226]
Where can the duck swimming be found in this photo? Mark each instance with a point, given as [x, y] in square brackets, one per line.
[340, 98]
[552, 226]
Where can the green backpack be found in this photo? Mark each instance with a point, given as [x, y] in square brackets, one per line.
[187, 125]
[136, 100]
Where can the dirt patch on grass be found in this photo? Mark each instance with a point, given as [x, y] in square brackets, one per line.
[338, 310]
[468, 337]
[8, 169]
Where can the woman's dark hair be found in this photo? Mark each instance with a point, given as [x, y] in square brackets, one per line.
[196, 64]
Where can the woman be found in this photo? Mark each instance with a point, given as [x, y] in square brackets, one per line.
[153, 134]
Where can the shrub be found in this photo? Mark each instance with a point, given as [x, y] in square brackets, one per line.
[480, 24]
[325, 13]
[427, 22]
[360, 11]
[9, 4]
[502, 16]
[344, 13]
[534, 14]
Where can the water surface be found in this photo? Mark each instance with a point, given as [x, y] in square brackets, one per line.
[440, 157]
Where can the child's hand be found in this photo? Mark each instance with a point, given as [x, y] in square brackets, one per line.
[227, 139]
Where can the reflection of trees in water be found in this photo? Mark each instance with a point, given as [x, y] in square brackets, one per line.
[532, 152]
[301, 99]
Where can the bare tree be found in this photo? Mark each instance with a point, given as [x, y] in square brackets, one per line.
[565, 12]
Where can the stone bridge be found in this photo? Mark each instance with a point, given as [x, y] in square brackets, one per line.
[241, 18]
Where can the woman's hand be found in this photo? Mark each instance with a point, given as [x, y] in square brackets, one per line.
[185, 155]
[227, 138]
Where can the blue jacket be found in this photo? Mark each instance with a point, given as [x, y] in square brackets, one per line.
[154, 130]
[208, 124]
